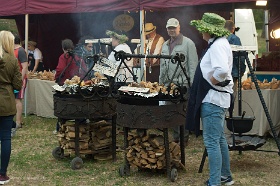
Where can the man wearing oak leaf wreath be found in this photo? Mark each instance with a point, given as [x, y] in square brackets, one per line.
[118, 42]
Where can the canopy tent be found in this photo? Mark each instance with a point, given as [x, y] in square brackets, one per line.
[49, 29]
[19, 7]
[50, 21]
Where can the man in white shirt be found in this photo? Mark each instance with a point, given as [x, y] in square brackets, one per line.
[35, 58]
[118, 42]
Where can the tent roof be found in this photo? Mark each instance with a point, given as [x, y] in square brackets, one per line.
[19, 7]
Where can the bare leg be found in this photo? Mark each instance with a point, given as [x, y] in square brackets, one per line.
[19, 111]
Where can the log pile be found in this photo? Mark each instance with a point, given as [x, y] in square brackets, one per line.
[94, 138]
[101, 137]
[148, 151]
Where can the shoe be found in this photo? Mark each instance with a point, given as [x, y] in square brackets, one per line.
[54, 132]
[4, 179]
[207, 183]
[227, 180]
[19, 126]
[13, 132]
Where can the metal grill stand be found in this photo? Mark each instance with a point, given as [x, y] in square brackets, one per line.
[95, 105]
[75, 107]
[153, 117]
[147, 114]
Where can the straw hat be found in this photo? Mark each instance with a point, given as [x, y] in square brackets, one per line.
[121, 37]
[32, 43]
[211, 23]
[149, 28]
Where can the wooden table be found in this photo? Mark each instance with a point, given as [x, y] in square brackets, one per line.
[39, 98]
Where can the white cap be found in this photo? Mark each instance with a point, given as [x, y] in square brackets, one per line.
[172, 22]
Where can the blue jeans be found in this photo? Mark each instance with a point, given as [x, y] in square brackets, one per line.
[213, 120]
[6, 123]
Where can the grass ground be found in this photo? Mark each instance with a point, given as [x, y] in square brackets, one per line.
[32, 163]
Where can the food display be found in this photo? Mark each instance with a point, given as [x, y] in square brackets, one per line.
[154, 87]
[150, 93]
[273, 84]
[45, 75]
[149, 89]
[71, 86]
[98, 78]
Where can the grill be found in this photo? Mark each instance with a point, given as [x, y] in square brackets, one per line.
[77, 107]
[69, 106]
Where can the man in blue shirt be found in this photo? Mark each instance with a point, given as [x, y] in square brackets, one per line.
[235, 40]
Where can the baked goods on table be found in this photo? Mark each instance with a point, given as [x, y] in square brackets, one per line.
[246, 84]
[45, 75]
[273, 84]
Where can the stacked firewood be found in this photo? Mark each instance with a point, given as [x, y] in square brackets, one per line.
[101, 136]
[148, 151]
[94, 138]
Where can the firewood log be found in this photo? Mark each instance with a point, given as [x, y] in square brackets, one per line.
[148, 166]
[130, 159]
[159, 164]
[137, 148]
[72, 135]
[152, 160]
[129, 137]
[143, 162]
[176, 150]
[145, 138]
[108, 133]
[105, 128]
[101, 135]
[144, 155]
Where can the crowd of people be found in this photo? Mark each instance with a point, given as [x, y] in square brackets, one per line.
[209, 81]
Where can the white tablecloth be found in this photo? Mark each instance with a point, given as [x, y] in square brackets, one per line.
[39, 98]
[251, 99]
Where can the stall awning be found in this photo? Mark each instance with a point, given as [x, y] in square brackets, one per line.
[20, 7]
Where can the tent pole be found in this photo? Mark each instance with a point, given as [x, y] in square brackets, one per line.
[143, 41]
[26, 50]
[266, 29]
[26, 32]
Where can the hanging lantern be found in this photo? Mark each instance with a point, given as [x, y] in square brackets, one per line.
[261, 3]
[275, 34]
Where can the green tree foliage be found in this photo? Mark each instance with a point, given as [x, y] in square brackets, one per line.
[259, 18]
[8, 24]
